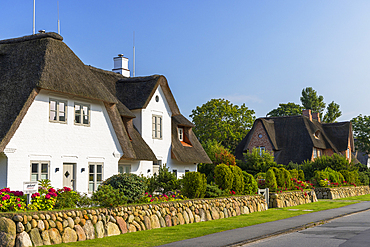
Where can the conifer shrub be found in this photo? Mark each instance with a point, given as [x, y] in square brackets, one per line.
[213, 191]
[294, 173]
[279, 176]
[250, 184]
[364, 179]
[301, 175]
[131, 185]
[238, 180]
[194, 185]
[107, 196]
[224, 177]
[271, 180]
[286, 178]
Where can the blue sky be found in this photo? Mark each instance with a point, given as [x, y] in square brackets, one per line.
[260, 53]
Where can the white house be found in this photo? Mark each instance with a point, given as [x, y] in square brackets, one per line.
[78, 125]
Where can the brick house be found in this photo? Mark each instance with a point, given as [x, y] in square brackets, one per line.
[298, 138]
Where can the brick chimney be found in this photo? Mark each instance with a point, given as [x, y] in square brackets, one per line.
[316, 116]
[307, 113]
[121, 65]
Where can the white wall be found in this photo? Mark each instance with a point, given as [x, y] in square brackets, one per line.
[3, 168]
[38, 139]
[160, 147]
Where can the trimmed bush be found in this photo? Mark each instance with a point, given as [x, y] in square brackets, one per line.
[131, 185]
[194, 185]
[224, 177]
[213, 191]
[301, 175]
[294, 173]
[238, 180]
[286, 178]
[364, 179]
[107, 196]
[250, 184]
[271, 180]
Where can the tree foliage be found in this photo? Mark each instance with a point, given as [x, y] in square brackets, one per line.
[257, 161]
[289, 109]
[220, 120]
[332, 113]
[310, 100]
[361, 131]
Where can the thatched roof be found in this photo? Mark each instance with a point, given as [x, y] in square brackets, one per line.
[136, 92]
[293, 137]
[188, 154]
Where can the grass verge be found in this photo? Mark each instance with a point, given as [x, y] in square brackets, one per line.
[356, 198]
[176, 233]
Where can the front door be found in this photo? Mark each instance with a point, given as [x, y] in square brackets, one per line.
[69, 175]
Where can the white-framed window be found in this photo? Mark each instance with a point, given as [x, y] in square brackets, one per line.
[174, 172]
[316, 153]
[261, 150]
[347, 153]
[157, 127]
[180, 131]
[57, 111]
[95, 176]
[39, 170]
[124, 168]
[82, 114]
[156, 165]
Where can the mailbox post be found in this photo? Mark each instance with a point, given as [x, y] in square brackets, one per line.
[29, 188]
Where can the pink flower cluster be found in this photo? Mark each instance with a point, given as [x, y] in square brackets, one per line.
[52, 193]
[232, 192]
[6, 197]
[35, 195]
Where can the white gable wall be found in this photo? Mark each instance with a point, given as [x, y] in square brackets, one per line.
[160, 147]
[38, 139]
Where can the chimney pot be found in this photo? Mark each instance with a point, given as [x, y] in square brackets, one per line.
[316, 116]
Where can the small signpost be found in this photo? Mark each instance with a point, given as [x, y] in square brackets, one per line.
[29, 188]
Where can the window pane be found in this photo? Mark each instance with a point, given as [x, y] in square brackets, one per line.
[120, 169]
[91, 168]
[91, 186]
[91, 177]
[127, 169]
[77, 118]
[99, 177]
[61, 106]
[44, 168]
[53, 116]
[78, 109]
[62, 118]
[35, 168]
[85, 115]
[99, 168]
[153, 126]
[34, 177]
[86, 120]
[44, 176]
[53, 105]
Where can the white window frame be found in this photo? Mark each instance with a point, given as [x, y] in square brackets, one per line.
[125, 168]
[95, 182]
[180, 132]
[39, 173]
[157, 126]
[58, 111]
[81, 116]
[316, 153]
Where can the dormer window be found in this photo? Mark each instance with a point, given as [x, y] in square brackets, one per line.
[317, 134]
[180, 131]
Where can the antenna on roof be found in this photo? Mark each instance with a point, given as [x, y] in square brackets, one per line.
[34, 17]
[133, 73]
[58, 20]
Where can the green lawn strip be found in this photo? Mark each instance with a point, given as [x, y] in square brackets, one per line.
[358, 198]
[176, 233]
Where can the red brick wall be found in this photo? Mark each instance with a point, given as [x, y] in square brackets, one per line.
[260, 142]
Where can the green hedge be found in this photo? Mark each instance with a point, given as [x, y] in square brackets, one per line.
[238, 180]
[194, 185]
[224, 177]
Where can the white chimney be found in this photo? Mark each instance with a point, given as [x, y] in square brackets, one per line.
[121, 65]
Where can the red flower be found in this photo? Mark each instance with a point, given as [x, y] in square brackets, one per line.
[19, 205]
[18, 199]
[52, 190]
[47, 196]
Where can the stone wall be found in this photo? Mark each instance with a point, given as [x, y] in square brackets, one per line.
[45, 228]
[291, 198]
[341, 192]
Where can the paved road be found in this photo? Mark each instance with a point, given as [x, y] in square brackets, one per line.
[241, 236]
[348, 231]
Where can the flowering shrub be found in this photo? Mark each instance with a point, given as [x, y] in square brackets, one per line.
[12, 200]
[170, 196]
[43, 201]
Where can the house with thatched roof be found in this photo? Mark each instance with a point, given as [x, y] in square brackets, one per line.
[298, 138]
[77, 125]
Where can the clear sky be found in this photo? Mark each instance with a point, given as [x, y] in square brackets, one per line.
[259, 52]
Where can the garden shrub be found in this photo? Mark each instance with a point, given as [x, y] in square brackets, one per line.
[363, 177]
[238, 180]
[165, 181]
[107, 196]
[194, 185]
[250, 184]
[223, 177]
[351, 177]
[271, 180]
[212, 191]
[286, 178]
[68, 198]
[260, 175]
[294, 173]
[131, 185]
[301, 175]
[12, 200]
[256, 161]
[279, 176]
[43, 201]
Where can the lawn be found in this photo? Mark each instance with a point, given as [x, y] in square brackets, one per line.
[176, 233]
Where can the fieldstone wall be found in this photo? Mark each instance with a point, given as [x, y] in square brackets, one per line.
[341, 192]
[46, 228]
[291, 198]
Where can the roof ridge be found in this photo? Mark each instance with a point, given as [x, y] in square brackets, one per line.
[32, 37]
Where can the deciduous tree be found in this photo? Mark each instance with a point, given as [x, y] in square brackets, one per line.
[289, 109]
[361, 131]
